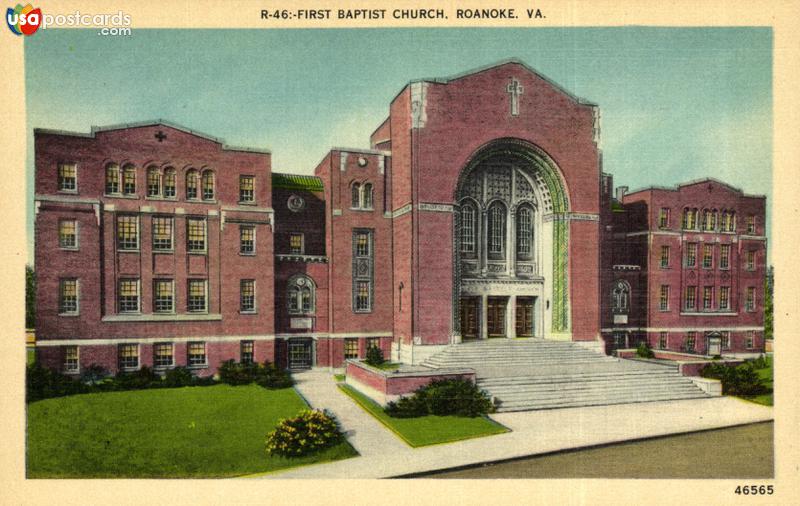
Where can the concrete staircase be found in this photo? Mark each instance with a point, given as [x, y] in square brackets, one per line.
[531, 374]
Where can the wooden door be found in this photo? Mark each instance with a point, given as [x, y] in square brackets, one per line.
[496, 317]
[469, 318]
[525, 317]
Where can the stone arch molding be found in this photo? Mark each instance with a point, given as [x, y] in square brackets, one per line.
[543, 189]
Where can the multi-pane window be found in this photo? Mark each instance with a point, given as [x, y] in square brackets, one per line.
[196, 354]
[163, 296]
[373, 342]
[162, 233]
[362, 271]
[350, 347]
[196, 235]
[128, 356]
[497, 230]
[361, 196]
[208, 185]
[246, 352]
[296, 244]
[191, 184]
[163, 355]
[468, 229]
[355, 196]
[128, 296]
[728, 223]
[725, 339]
[127, 232]
[68, 177]
[749, 339]
[619, 297]
[153, 182]
[196, 299]
[750, 299]
[663, 298]
[68, 296]
[366, 202]
[247, 185]
[362, 296]
[690, 300]
[751, 260]
[689, 219]
[68, 234]
[247, 239]
[300, 295]
[362, 244]
[662, 340]
[169, 183]
[724, 297]
[708, 256]
[708, 296]
[71, 363]
[691, 254]
[112, 178]
[129, 180]
[724, 256]
[691, 336]
[709, 220]
[663, 218]
[751, 224]
[664, 256]
[524, 232]
[247, 295]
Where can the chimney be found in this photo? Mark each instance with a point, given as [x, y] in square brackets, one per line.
[621, 190]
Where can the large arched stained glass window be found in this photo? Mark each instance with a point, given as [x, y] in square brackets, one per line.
[620, 297]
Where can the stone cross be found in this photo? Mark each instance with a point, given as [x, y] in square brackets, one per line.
[160, 136]
[515, 90]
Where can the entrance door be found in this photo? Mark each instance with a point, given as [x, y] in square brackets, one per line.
[469, 318]
[525, 316]
[714, 345]
[300, 354]
[496, 317]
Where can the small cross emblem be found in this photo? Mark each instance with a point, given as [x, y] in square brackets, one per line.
[161, 136]
[514, 89]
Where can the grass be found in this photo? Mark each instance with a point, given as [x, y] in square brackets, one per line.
[427, 430]
[766, 375]
[192, 432]
[387, 366]
[339, 378]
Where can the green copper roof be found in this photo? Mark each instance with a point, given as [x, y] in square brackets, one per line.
[296, 182]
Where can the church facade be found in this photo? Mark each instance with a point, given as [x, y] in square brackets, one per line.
[480, 211]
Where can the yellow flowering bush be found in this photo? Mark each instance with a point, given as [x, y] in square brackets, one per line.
[308, 432]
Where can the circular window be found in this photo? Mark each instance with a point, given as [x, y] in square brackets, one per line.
[362, 162]
[295, 203]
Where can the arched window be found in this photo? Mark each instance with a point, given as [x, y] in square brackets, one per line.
[497, 230]
[620, 297]
[112, 178]
[208, 185]
[709, 219]
[524, 233]
[129, 180]
[732, 225]
[169, 183]
[153, 182]
[469, 229]
[355, 196]
[690, 218]
[191, 184]
[300, 295]
[367, 194]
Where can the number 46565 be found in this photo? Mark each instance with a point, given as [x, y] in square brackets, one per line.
[754, 490]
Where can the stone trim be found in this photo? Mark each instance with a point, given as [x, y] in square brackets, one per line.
[683, 329]
[150, 340]
[439, 208]
[161, 318]
[302, 258]
[402, 210]
[64, 199]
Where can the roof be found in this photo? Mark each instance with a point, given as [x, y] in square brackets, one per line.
[695, 182]
[296, 182]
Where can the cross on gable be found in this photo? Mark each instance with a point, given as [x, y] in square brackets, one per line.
[160, 136]
[514, 89]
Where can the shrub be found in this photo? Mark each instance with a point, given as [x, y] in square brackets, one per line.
[273, 377]
[44, 383]
[137, 380]
[644, 350]
[94, 374]
[267, 375]
[308, 432]
[443, 397]
[179, 377]
[375, 356]
[742, 380]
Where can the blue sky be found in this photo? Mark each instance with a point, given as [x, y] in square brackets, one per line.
[676, 103]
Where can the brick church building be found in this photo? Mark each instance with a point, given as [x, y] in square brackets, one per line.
[481, 211]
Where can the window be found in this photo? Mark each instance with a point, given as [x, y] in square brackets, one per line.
[709, 220]
[751, 224]
[196, 354]
[362, 271]
[690, 299]
[361, 196]
[367, 196]
[691, 254]
[196, 300]
[112, 178]
[689, 219]
[68, 234]
[68, 296]
[163, 296]
[751, 260]
[732, 223]
[129, 180]
[162, 233]
[169, 183]
[247, 296]
[162, 355]
[725, 340]
[71, 364]
[708, 296]
[351, 347]
[664, 257]
[355, 196]
[727, 223]
[128, 296]
[196, 237]
[749, 339]
[128, 356]
[247, 352]
[497, 230]
[663, 298]
[468, 230]
[247, 185]
[724, 256]
[620, 295]
[524, 233]
[373, 342]
[663, 340]
[153, 182]
[362, 296]
[247, 239]
[127, 232]
[724, 297]
[750, 299]
[690, 340]
[708, 256]
[663, 218]
[208, 185]
[296, 244]
[68, 177]
[191, 184]
[300, 295]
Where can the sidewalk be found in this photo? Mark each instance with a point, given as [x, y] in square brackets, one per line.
[384, 455]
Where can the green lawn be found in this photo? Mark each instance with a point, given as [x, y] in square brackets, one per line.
[427, 430]
[387, 366]
[217, 431]
[766, 375]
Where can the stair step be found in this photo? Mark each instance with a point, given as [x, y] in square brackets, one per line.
[534, 406]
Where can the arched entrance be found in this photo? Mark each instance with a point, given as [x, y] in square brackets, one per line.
[510, 244]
